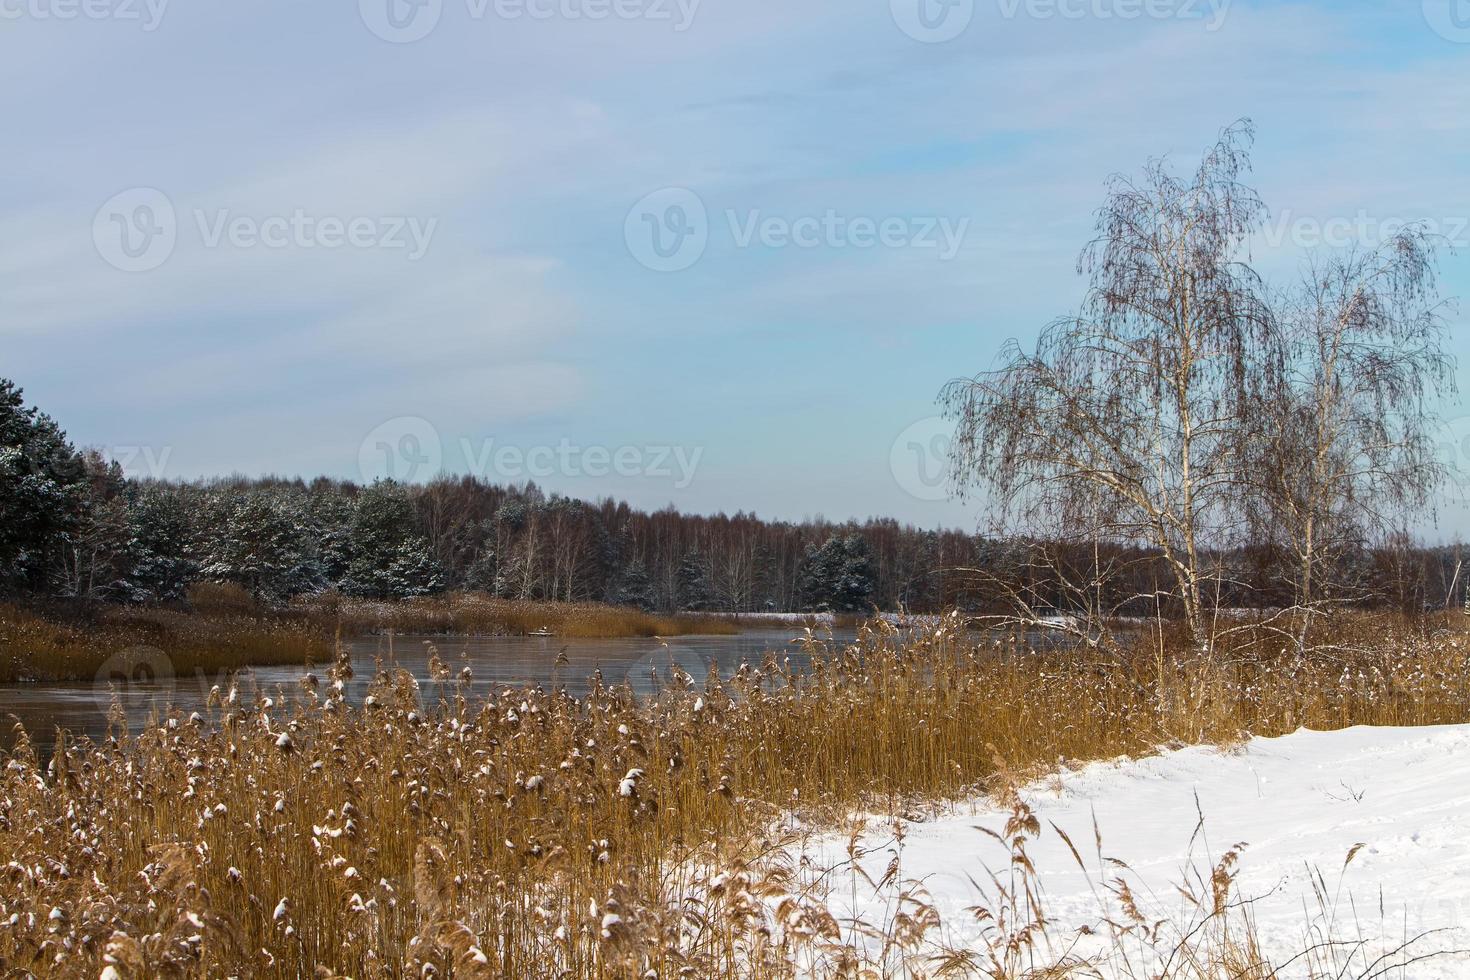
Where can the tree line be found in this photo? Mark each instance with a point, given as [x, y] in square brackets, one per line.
[76, 529]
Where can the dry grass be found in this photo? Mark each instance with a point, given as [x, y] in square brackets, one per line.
[223, 628]
[467, 832]
[1203, 928]
[470, 613]
[34, 647]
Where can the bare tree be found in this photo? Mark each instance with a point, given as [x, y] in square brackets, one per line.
[1126, 422]
[1343, 450]
[1063, 588]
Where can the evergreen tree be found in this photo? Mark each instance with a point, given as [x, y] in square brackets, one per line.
[692, 589]
[838, 576]
[391, 558]
[816, 577]
[855, 585]
[635, 588]
[41, 483]
[160, 566]
[913, 580]
[261, 545]
[329, 515]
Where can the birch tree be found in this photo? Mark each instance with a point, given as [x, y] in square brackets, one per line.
[1344, 451]
[1126, 421]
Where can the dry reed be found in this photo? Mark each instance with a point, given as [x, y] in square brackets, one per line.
[71, 647]
[476, 614]
[223, 628]
[455, 830]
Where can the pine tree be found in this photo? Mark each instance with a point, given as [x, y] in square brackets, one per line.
[635, 588]
[815, 577]
[159, 564]
[390, 557]
[42, 481]
[856, 579]
[838, 576]
[262, 545]
[329, 514]
[692, 590]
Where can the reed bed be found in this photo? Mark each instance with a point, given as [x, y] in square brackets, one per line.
[222, 628]
[472, 613]
[73, 647]
[458, 830]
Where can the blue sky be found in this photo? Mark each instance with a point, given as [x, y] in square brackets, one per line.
[432, 244]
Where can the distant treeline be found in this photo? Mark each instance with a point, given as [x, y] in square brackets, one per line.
[73, 527]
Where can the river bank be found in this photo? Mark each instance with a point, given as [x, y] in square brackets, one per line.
[220, 628]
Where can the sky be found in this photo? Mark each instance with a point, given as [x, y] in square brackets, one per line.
[719, 254]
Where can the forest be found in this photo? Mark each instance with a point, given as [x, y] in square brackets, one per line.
[77, 530]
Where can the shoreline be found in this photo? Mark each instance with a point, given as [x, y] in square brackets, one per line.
[227, 630]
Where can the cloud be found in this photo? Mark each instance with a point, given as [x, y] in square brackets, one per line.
[526, 141]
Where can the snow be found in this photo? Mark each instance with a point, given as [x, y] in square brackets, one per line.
[1300, 803]
[821, 618]
[787, 617]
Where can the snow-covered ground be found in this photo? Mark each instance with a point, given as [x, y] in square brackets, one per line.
[1300, 803]
[799, 618]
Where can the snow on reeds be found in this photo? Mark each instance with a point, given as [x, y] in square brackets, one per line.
[452, 829]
